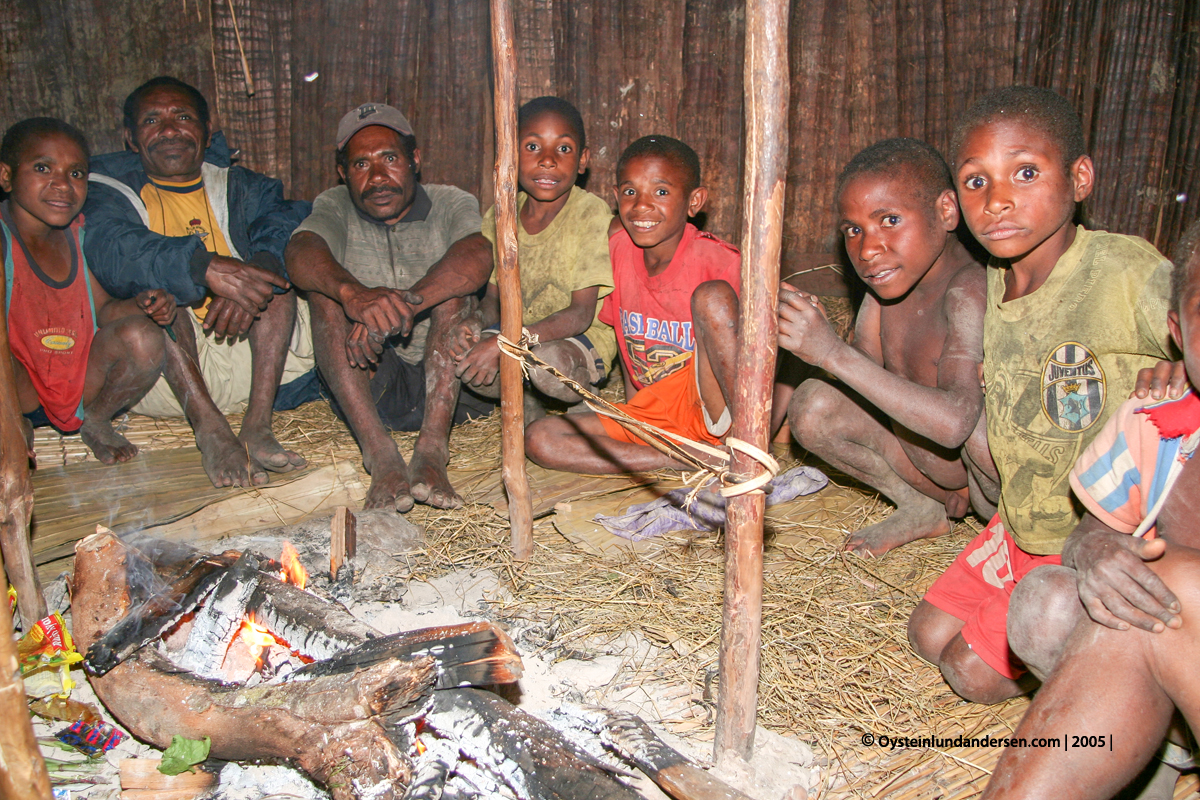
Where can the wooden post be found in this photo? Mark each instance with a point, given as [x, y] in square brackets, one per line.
[16, 490]
[766, 89]
[23, 773]
[512, 412]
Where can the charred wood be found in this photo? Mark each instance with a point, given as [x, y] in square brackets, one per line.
[534, 759]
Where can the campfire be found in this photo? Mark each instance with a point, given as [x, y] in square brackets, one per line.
[231, 647]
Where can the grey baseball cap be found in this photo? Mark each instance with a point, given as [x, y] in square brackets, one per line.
[371, 114]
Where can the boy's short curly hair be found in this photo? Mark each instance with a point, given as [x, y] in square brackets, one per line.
[667, 148]
[129, 110]
[1046, 110]
[22, 132]
[893, 157]
[554, 105]
[1186, 257]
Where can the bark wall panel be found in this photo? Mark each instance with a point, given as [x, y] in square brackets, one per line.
[78, 59]
[260, 125]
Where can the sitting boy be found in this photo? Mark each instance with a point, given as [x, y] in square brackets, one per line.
[1138, 475]
[675, 309]
[908, 395]
[1071, 316]
[563, 239]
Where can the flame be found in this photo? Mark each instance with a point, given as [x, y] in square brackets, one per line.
[420, 747]
[256, 637]
[293, 570]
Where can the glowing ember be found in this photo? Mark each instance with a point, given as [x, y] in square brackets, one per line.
[293, 570]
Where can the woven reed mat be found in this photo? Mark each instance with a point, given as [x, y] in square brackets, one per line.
[160, 487]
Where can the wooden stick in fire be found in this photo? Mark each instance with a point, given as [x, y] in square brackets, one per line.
[766, 91]
[16, 489]
[508, 278]
[23, 773]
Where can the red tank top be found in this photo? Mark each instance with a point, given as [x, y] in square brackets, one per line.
[51, 324]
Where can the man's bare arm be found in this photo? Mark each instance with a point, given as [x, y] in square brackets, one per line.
[945, 414]
[313, 268]
[461, 271]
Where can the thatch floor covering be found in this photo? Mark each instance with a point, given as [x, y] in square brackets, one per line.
[835, 660]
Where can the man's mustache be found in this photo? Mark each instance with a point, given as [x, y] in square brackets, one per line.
[173, 143]
[382, 189]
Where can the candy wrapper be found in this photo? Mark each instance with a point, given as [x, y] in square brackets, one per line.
[91, 738]
[48, 647]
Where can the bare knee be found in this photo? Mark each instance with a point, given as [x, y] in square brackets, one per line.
[140, 342]
[971, 677]
[813, 410]
[715, 305]
[1042, 612]
[567, 359]
[930, 629]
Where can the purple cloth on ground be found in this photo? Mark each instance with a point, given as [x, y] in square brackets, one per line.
[706, 509]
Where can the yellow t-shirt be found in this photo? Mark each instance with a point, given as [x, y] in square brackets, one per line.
[182, 209]
[569, 255]
[1058, 363]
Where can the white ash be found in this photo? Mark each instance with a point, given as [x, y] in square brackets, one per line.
[257, 782]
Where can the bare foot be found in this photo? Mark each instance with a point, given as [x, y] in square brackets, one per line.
[266, 451]
[431, 485]
[389, 482]
[224, 458]
[105, 443]
[924, 521]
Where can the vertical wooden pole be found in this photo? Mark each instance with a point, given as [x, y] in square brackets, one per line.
[23, 773]
[16, 490]
[766, 90]
[512, 412]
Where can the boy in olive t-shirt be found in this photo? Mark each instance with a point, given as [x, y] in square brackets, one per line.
[562, 235]
[1071, 316]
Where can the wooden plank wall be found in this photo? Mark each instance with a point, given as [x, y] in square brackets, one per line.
[861, 70]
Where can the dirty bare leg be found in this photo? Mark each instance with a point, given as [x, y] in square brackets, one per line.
[269, 338]
[351, 388]
[983, 480]
[1124, 684]
[579, 443]
[431, 453]
[830, 422]
[224, 458]
[715, 320]
[125, 360]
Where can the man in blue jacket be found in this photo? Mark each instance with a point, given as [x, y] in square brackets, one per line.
[173, 213]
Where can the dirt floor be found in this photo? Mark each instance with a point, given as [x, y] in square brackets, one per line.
[836, 665]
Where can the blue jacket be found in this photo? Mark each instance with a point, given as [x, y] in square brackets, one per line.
[126, 257]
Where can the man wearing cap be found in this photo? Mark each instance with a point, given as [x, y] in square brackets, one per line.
[173, 213]
[392, 268]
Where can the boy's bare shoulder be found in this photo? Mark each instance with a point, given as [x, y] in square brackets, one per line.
[968, 283]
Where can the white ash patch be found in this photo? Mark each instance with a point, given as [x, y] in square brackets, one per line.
[257, 782]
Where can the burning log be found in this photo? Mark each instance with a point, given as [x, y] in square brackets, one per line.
[327, 720]
[218, 620]
[161, 611]
[343, 539]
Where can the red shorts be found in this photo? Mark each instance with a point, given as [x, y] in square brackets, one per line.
[976, 589]
[672, 404]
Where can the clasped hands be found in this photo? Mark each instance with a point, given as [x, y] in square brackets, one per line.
[378, 314]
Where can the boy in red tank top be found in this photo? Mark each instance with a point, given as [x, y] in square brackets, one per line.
[79, 357]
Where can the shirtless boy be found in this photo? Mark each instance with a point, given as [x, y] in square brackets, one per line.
[907, 395]
[675, 308]
[1131, 659]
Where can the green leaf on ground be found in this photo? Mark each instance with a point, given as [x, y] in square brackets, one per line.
[183, 754]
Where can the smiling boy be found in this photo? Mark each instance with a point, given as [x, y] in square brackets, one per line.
[1071, 316]
[675, 309]
[562, 238]
[907, 395]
